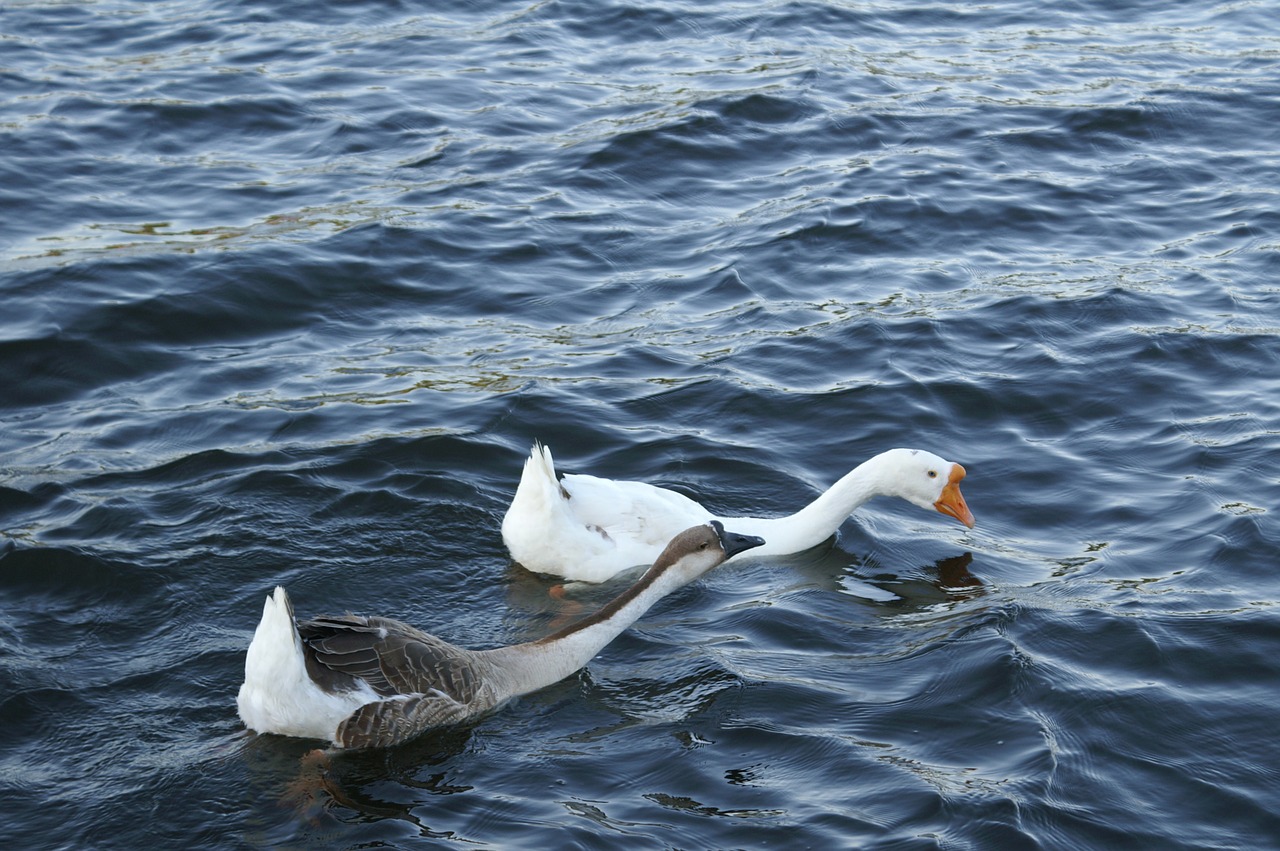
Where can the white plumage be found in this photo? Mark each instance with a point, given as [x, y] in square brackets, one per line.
[587, 528]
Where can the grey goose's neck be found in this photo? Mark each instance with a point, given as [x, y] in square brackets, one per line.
[540, 663]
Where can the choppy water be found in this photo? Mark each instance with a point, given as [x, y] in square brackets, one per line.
[288, 290]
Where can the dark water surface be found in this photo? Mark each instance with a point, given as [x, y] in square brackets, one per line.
[287, 291]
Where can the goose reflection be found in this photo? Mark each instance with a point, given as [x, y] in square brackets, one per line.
[869, 580]
[328, 783]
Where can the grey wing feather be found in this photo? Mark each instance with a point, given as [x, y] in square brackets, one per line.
[389, 722]
[392, 657]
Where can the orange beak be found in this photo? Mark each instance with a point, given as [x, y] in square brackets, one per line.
[951, 503]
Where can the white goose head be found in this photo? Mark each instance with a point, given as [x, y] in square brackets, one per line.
[926, 480]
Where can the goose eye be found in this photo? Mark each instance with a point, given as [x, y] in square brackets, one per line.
[933, 474]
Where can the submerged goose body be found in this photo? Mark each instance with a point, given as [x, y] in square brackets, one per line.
[362, 682]
[588, 528]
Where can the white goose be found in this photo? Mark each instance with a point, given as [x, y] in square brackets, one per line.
[589, 529]
[373, 682]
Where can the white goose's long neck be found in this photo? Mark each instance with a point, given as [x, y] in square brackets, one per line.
[538, 664]
[818, 520]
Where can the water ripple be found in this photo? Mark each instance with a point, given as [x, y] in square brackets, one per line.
[290, 291]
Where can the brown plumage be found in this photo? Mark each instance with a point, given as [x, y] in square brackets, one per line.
[372, 682]
[398, 662]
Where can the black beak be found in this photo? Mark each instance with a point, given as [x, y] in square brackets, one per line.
[734, 543]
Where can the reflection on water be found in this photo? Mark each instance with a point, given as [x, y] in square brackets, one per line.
[385, 784]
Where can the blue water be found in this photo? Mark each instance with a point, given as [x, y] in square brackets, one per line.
[288, 290]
